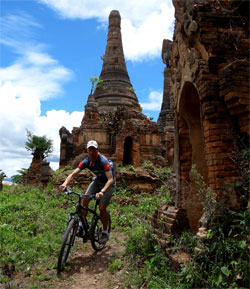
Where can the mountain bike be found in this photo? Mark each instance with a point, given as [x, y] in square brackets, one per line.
[91, 229]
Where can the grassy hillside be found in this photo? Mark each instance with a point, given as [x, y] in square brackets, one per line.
[32, 222]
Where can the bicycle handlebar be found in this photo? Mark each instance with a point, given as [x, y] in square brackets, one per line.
[81, 196]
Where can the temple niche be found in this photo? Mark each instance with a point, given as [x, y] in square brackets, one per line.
[207, 70]
[113, 115]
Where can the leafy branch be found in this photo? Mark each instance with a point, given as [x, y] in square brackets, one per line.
[112, 121]
[95, 83]
[40, 146]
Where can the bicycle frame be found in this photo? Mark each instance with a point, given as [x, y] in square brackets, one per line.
[92, 232]
[79, 207]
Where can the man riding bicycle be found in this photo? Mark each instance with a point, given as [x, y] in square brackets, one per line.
[102, 185]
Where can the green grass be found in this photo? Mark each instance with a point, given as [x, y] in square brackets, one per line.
[125, 217]
[115, 265]
[32, 223]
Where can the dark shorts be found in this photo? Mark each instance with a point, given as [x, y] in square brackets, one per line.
[95, 187]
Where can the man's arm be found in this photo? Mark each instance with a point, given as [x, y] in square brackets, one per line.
[69, 178]
[109, 183]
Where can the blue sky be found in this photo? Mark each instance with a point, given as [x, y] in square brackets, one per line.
[48, 51]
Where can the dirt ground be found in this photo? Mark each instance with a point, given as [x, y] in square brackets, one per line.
[90, 269]
[86, 269]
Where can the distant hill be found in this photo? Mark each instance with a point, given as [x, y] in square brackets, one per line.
[8, 180]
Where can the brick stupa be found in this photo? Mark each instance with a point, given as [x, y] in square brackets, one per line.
[116, 88]
[113, 114]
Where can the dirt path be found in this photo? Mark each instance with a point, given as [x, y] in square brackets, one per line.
[90, 269]
[86, 269]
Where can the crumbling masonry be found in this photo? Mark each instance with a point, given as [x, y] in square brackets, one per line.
[113, 115]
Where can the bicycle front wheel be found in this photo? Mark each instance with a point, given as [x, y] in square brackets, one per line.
[67, 243]
[96, 230]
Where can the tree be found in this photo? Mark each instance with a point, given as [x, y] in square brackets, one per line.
[16, 178]
[40, 146]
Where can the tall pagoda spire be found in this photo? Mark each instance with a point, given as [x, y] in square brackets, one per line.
[115, 87]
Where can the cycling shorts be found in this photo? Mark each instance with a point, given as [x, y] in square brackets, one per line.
[96, 186]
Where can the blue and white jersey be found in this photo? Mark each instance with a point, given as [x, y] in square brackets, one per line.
[101, 166]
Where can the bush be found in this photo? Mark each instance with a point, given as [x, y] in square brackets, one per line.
[31, 226]
[148, 258]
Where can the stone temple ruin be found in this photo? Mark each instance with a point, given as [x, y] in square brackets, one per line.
[207, 75]
[113, 115]
[204, 119]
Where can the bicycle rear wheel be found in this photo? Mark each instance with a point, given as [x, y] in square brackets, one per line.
[67, 243]
[96, 229]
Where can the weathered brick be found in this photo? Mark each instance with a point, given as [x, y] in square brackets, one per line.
[218, 156]
[214, 149]
[223, 174]
[219, 74]
[216, 144]
[221, 167]
[240, 95]
[212, 132]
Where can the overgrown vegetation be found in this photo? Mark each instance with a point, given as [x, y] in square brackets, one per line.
[32, 221]
[95, 83]
[39, 146]
[31, 224]
[112, 122]
[16, 178]
[218, 260]
[223, 258]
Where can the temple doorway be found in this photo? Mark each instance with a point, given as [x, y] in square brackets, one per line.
[127, 151]
[191, 152]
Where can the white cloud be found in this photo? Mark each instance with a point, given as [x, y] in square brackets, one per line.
[144, 23]
[35, 74]
[21, 27]
[145, 41]
[23, 85]
[50, 124]
[33, 77]
[20, 115]
[155, 98]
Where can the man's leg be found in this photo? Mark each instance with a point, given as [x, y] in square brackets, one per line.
[105, 200]
[91, 190]
[104, 216]
[85, 203]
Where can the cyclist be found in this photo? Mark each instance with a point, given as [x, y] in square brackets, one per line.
[102, 185]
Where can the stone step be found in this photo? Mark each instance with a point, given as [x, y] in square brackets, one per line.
[168, 214]
[164, 236]
[169, 220]
[179, 259]
[162, 242]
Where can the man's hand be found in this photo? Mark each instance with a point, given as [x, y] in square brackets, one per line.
[99, 195]
[69, 178]
[62, 187]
